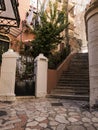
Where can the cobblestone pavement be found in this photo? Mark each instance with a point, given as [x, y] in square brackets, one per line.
[47, 114]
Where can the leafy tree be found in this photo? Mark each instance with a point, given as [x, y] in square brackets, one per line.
[48, 30]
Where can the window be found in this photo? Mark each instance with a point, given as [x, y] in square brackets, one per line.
[4, 45]
[2, 5]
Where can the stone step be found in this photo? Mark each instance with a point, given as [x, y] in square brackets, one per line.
[78, 64]
[73, 69]
[70, 93]
[74, 83]
[79, 68]
[74, 77]
[81, 55]
[68, 78]
[80, 59]
[68, 90]
[70, 97]
[71, 87]
[77, 71]
[74, 74]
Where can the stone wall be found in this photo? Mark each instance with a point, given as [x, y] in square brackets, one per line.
[91, 19]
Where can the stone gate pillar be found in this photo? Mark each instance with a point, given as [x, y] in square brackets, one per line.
[7, 79]
[91, 19]
[41, 68]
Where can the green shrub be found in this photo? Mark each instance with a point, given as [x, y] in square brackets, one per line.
[48, 31]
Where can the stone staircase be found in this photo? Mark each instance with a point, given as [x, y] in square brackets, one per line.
[74, 83]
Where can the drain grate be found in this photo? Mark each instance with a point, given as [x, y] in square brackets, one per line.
[56, 104]
[3, 113]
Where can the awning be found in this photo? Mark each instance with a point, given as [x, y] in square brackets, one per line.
[15, 31]
[4, 37]
[12, 31]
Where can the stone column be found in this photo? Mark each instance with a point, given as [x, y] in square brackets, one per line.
[41, 63]
[91, 19]
[7, 79]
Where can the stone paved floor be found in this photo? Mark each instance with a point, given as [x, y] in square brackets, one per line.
[47, 114]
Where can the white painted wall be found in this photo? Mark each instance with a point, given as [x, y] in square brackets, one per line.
[41, 69]
[7, 79]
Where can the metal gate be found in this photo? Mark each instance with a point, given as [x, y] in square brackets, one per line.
[25, 84]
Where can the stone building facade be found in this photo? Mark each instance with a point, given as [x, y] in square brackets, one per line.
[91, 20]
